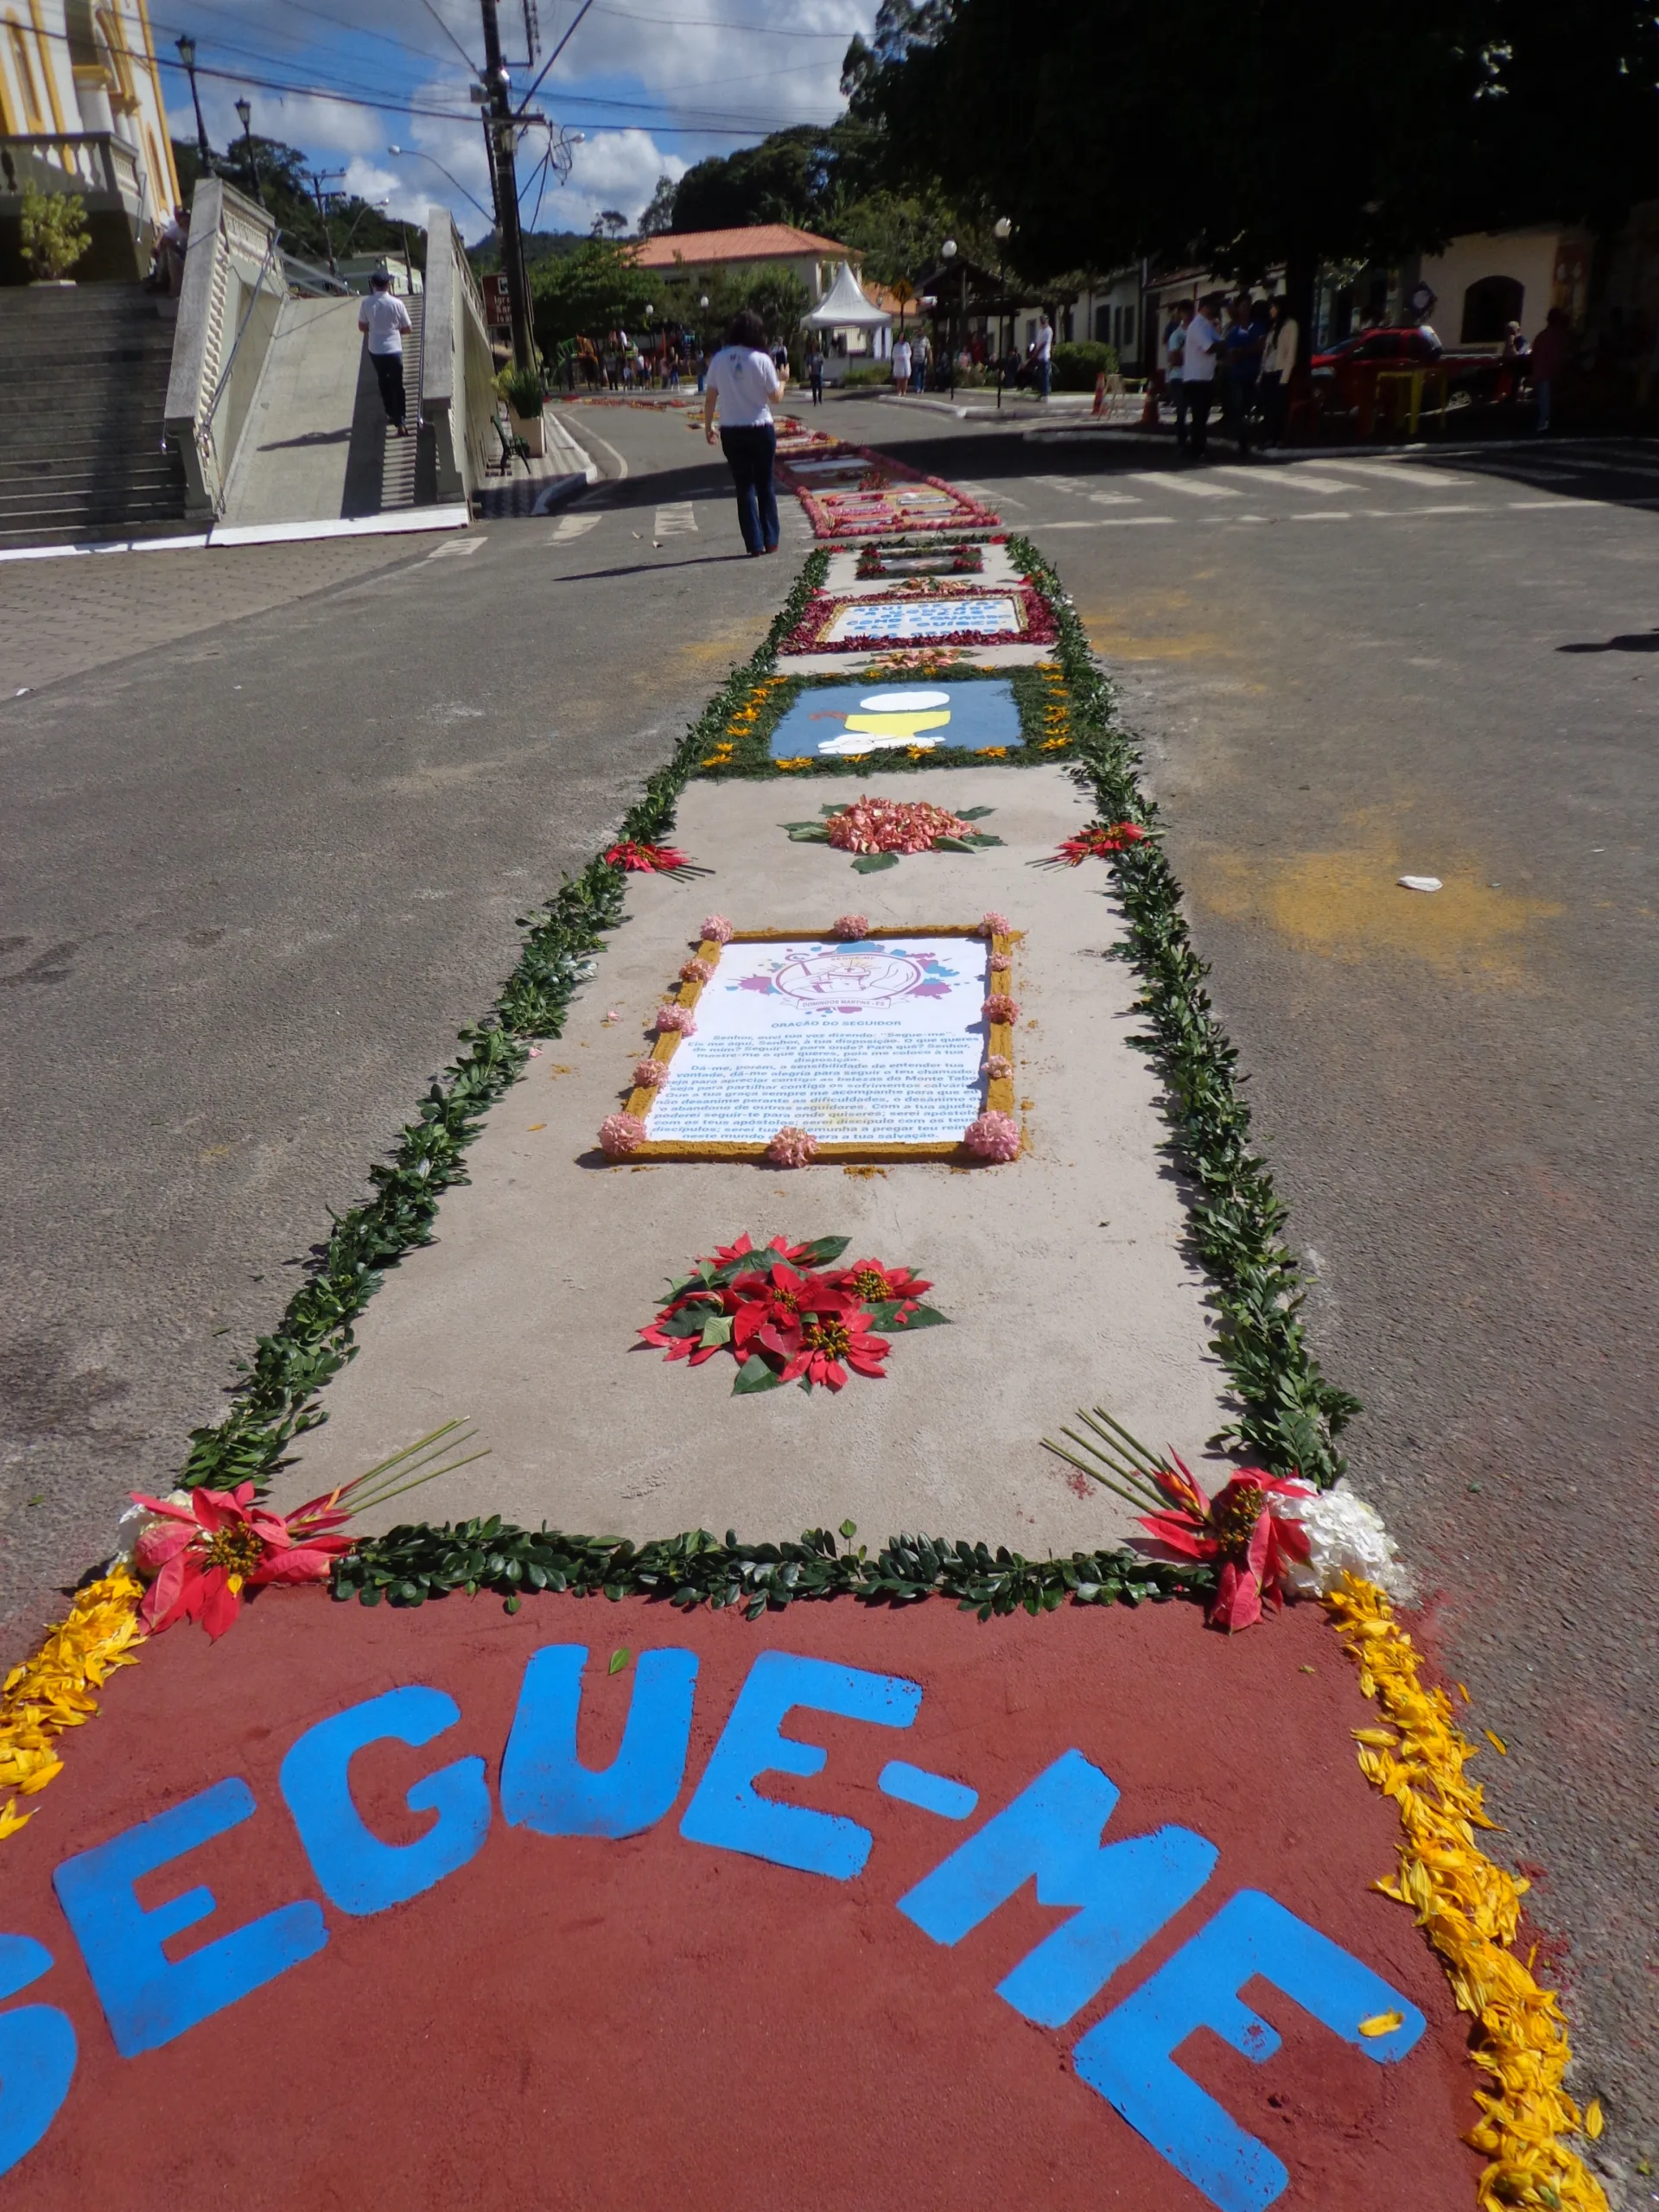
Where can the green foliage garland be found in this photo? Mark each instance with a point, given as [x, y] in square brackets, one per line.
[409, 1565]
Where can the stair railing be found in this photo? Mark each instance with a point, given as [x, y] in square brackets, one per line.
[234, 287]
[457, 367]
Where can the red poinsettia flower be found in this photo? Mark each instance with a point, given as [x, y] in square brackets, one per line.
[768, 1311]
[1238, 1529]
[874, 1284]
[220, 1544]
[1099, 839]
[827, 1339]
[642, 859]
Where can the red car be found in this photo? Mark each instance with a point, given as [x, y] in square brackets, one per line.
[1345, 377]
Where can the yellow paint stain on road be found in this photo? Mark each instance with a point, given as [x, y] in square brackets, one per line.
[1151, 625]
[1346, 905]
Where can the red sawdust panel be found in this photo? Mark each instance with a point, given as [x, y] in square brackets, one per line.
[574, 2023]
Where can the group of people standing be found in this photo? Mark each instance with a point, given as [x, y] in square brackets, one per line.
[1244, 352]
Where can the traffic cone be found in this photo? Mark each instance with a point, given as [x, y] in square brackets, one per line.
[1149, 411]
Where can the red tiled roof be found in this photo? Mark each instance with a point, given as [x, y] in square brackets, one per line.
[758, 242]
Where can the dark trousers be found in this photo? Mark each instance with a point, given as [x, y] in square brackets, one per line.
[1199, 399]
[389, 375]
[1237, 405]
[817, 383]
[1179, 393]
[1275, 406]
[749, 452]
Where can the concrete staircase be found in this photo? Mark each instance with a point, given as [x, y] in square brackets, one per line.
[83, 388]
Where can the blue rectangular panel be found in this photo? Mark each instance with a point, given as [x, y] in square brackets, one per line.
[856, 721]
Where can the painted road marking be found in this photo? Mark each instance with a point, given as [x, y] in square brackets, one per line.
[1081, 489]
[1395, 472]
[455, 546]
[571, 526]
[914, 1785]
[1193, 489]
[1326, 514]
[675, 519]
[1299, 479]
[1106, 522]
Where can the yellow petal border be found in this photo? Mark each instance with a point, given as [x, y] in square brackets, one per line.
[1469, 1908]
[56, 1688]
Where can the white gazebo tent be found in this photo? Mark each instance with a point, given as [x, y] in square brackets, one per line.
[850, 323]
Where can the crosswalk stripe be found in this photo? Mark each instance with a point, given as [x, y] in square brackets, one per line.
[1191, 485]
[1389, 472]
[675, 519]
[1298, 479]
[570, 526]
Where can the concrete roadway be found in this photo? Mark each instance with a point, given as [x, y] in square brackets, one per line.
[1341, 677]
[271, 814]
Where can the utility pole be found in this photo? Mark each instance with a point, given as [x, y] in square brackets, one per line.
[317, 179]
[499, 125]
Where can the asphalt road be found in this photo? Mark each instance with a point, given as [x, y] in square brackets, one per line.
[270, 817]
[1448, 668]
[243, 924]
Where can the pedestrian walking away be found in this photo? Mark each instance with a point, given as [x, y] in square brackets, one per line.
[1550, 350]
[1174, 344]
[1242, 351]
[385, 319]
[901, 366]
[743, 381]
[921, 362]
[814, 370]
[1278, 365]
[1198, 375]
[1042, 354]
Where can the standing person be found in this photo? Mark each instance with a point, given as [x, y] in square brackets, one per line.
[815, 369]
[385, 319]
[1198, 375]
[743, 380]
[1278, 363]
[1550, 349]
[901, 365]
[1175, 343]
[922, 363]
[1042, 352]
[1242, 351]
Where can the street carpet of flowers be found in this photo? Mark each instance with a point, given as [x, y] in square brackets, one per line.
[1038, 626]
[639, 858]
[56, 1688]
[879, 829]
[785, 1313]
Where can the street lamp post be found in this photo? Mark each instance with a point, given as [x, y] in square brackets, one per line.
[948, 253]
[414, 154]
[187, 58]
[1000, 229]
[245, 109]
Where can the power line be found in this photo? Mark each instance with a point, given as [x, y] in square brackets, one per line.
[712, 23]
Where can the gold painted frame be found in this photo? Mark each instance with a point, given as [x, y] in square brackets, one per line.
[999, 1090]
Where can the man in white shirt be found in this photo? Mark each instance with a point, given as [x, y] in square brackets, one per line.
[1199, 355]
[743, 381]
[1042, 354]
[385, 319]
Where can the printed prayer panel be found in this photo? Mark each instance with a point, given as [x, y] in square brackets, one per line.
[879, 1041]
[832, 720]
[901, 620]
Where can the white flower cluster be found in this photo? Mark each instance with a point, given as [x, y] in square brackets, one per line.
[1344, 1537]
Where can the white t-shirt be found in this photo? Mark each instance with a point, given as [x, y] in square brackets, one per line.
[743, 381]
[1044, 340]
[385, 318]
[901, 361]
[1198, 354]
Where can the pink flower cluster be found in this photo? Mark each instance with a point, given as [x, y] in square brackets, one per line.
[1001, 1008]
[999, 1067]
[1001, 963]
[991, 923]
[621, 1134]
[649, 1075]
[716, 929]
[676, 1017]
[849, 925]
[993, 1136]
[792, 1148]
[696, 971]
[893, 825]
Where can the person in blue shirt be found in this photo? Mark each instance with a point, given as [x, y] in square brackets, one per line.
[1241, 350]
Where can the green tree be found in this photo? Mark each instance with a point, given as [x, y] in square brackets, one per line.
[588, 293]
[899, 234]
[659, 209]
[786, 179]
[354, 226]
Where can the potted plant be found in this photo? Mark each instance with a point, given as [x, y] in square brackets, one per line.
[522, 390]
[54, 232]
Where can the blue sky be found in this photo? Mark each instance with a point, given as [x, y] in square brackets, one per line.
[654, 84]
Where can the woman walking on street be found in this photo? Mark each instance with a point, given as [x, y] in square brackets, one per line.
[742, 379]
